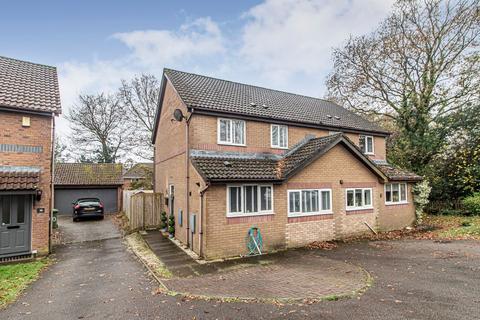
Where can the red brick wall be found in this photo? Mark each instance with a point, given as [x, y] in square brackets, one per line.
[38, 134]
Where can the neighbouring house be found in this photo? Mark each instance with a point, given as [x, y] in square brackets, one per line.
[139, 176]
[84, 180]
[229, 156]
[29, 102]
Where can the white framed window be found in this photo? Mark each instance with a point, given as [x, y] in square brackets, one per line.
[395, 193]
[279, 136]
[366, 144]
[231, 131]
[249, 199]
[359, 198]
[309, 202]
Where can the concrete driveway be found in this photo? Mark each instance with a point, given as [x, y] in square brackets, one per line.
[100, 279]
[86, 230]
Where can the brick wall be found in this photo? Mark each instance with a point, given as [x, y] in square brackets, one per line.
[38, 134]
[398, 216]
[204, 137]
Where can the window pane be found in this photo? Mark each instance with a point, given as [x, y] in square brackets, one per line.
[361, 143]
[367, 197]
[283, 136]
[370, 144]
[358, 198]
[235, 199]
[315, 200]
[275, 136]
[265, 198]
[326, 200]
[403, 192]
[350, 202]
[238, 131]
[20, 209]
[251, 199]
[294, 199]
[388, 192]
[224, 130]
[5, 207]
[395, 192]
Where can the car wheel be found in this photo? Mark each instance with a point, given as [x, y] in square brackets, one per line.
[101, 218]
[75, 219]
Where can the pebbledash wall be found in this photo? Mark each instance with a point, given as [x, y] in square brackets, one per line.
[38, 134]
[223, 236]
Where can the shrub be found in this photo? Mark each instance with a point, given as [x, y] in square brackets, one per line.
[472, 204]
[421, 191]
[163, 218]
[171, 230]
[171, 225]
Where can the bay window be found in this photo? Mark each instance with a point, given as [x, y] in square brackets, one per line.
[359, 198]
[309, 202]
[366, 144]
[245, 200]
[395, 193]
[231, 131]
[279, 136]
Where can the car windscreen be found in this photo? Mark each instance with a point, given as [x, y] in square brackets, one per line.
[88, 201]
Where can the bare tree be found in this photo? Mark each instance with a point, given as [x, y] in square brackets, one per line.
[98, 127]
[140, 98]
[421, 64]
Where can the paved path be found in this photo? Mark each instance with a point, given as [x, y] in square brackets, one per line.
[413, 280]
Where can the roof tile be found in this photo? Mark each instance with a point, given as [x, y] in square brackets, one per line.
[88, 174]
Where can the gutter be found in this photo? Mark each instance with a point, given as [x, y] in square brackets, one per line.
[187, 170]
[52, 186]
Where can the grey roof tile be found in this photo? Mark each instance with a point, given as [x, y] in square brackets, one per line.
[28, 86]
[218, 95]
[88, 174]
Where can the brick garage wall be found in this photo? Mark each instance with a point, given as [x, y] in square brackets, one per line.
[38, 134]
[204, 137]
[399, 216]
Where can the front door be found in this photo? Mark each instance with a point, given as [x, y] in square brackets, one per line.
[15, 227]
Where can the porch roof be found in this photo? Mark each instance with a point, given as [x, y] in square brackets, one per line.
[19, 178]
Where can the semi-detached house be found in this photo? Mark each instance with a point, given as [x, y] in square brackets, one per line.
[301, 169]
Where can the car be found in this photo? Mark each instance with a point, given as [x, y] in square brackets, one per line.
[87, 207]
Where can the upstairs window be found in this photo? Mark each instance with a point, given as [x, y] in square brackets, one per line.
[358, 199]
[279, 136]
[245, 200]
[395, 193]
[366, 144]
[231, 131]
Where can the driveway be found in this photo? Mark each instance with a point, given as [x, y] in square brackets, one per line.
[100, 279]
[86, 230]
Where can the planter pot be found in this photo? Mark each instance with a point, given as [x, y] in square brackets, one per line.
[163, 229]
[171, 236]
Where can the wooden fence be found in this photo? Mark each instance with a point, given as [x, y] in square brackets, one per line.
[143, 208]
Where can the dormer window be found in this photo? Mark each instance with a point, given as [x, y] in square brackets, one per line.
[366, 144]
[231, 131]
[279, 136]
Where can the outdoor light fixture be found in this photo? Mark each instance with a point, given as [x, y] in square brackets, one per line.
[38, 195]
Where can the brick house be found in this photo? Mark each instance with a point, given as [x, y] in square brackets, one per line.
[29, 102]
[300, 169]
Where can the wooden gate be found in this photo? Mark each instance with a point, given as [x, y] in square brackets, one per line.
[143, 209]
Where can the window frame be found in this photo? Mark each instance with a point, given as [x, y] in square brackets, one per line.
[242, 212]
[366, 144]
[314, 213]
[272, 145]
[355, 207]
[231, 143]
[400, 201]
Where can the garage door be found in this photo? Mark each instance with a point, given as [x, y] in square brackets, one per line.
[65, 197]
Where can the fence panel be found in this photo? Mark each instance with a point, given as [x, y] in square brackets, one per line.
[143, 208]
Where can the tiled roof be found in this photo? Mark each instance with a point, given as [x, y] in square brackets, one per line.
[28, 86]
[397, 174]
[88, 174]
[217, 168]
[19, 178]
[210, 94]
[139, 170]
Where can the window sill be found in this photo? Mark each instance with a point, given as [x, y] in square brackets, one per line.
[299, 215]
[231, 144]
[396, 203]
[281, 148]
[359, 208]
[241, 215]
[369, 153]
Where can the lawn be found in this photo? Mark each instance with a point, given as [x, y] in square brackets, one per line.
[455, 227]
[14, 278]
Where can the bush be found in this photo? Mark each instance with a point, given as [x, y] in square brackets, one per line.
[472, 204]
[421, 191]
[171, 230]
[452, 212]
[163, 218]
[171, 225]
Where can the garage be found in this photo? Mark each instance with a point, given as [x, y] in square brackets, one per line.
[87, 180]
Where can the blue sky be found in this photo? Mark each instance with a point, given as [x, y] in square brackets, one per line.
[281, 44]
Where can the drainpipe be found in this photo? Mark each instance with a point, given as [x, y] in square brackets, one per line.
[52, 187]
[200, 222]
[187, 172]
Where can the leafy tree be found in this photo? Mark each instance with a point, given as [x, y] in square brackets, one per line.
[139, 98]
[99, 129]
[420, 66]
[61, 153]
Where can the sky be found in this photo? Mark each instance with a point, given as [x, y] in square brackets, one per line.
[279, 44]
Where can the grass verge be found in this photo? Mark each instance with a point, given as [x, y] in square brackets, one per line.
[455, 227]
[14, 278]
